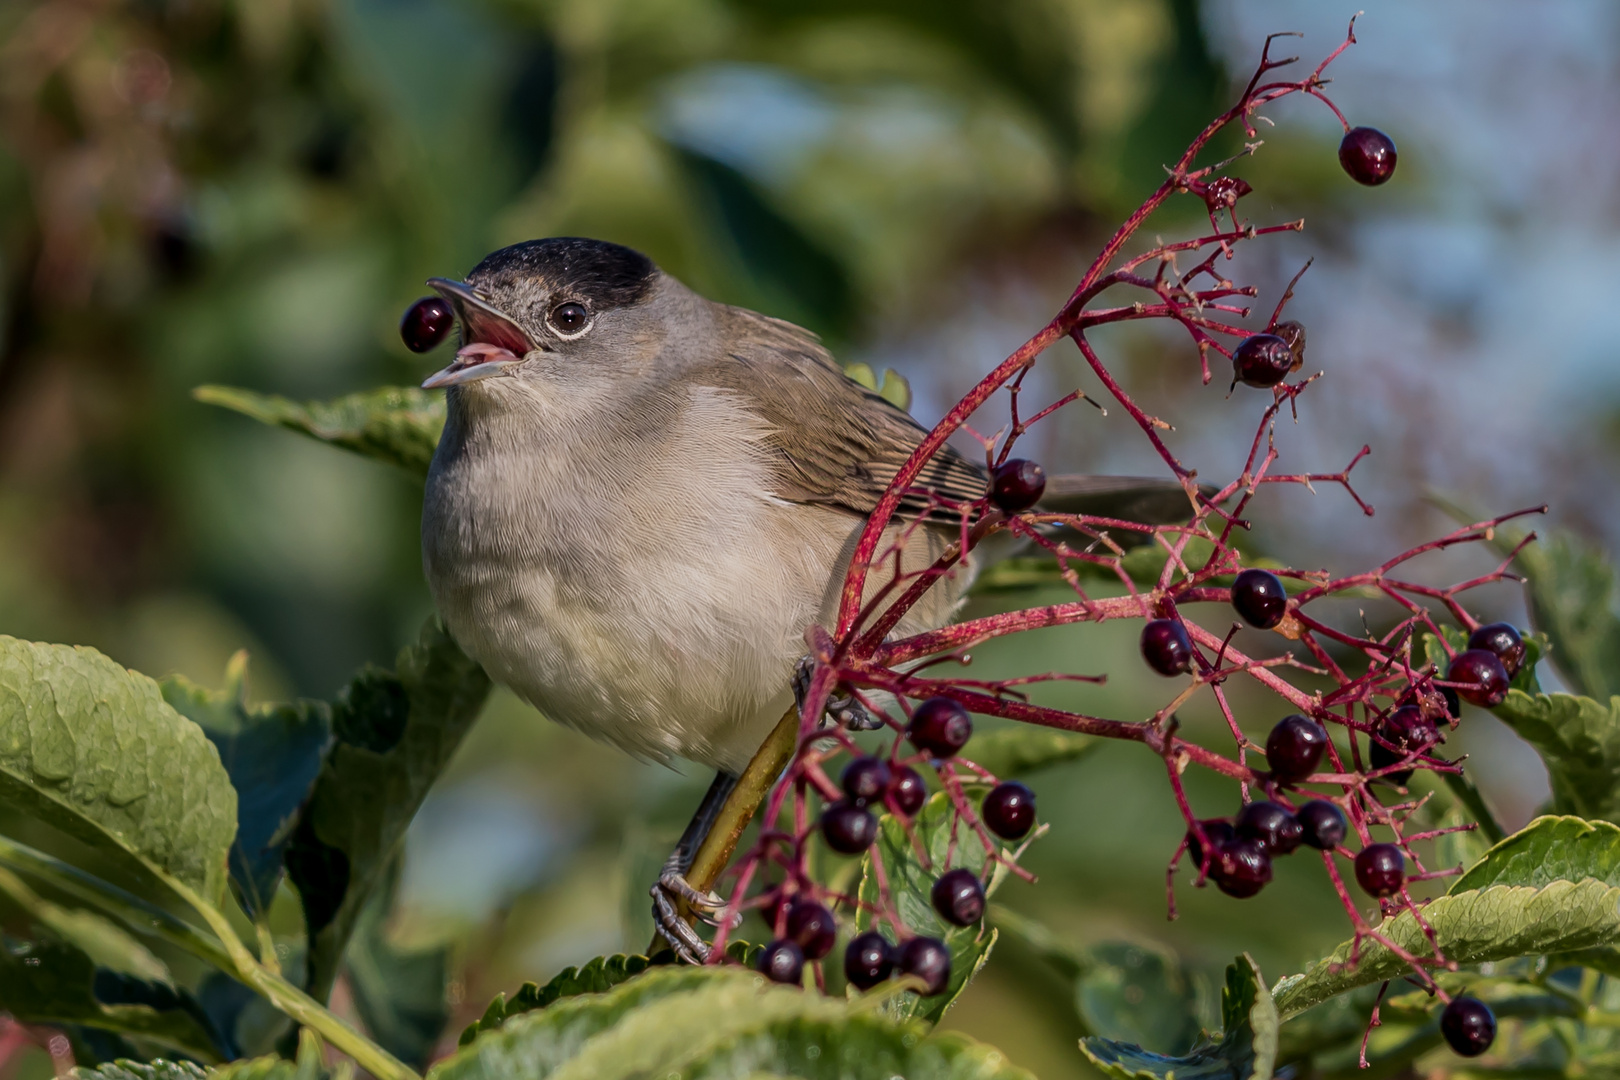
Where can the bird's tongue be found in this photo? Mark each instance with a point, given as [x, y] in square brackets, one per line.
[482, 351]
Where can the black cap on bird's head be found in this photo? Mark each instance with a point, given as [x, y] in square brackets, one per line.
[532, 296]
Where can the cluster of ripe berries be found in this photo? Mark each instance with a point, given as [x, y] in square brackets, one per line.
[940, 728]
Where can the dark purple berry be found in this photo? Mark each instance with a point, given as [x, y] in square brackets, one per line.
[958, 896]
[1295, 747]
[1218, 831]
[1321, 824]
[1381, 869]
[426, 323]
[1453, 702]
[909, 791]
[783, 962]
[1009, 810]
[811, 927]
[1017, 485]
[929, 960]
[1260, 598]
[1368, 155]
[1468, 1025]
[1270, 826]
[1262, 360]
[848, 828]
[1166, 646]
[1404, 732]
[940, 727]
[866, 779]
[1485, 678]
[1504, 640]
[1240, 867]
[868, 960]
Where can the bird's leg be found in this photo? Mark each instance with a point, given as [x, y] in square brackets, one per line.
[845, 711]
[672, 883]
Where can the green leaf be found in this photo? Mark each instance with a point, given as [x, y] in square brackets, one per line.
[394, 733]
[1579, 740]
[1572, 602]
[400, 994]
[1548, 849]
[1138, 994]
[396, 424]
[910, 885]
[93, 750]
[49, 981]
[1246, 1050]
[716, 1022]
[1123, 990]
[1472, 927]
[1015, 751]
[597, 976]
[310, 1065]
[105, 943]
[272, 754]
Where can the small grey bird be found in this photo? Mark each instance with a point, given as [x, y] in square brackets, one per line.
[642, 498]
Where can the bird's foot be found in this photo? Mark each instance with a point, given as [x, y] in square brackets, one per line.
[845, 711]
[671, 887]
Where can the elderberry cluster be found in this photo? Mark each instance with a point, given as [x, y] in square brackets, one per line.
[806, 930]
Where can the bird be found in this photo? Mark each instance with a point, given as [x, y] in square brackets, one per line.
[642, 498]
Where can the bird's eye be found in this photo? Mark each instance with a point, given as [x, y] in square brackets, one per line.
[569, 318]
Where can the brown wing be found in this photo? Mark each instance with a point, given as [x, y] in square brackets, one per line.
[836, 443]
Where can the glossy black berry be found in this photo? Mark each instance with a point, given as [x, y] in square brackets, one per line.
[848, 828]
[1485, 679]
[1009, 810]
[1404, 732]
[426, 323]
[1321, 824]
[1453, 702]
[811, 927]
[1259, 597]
[1270, 826]
[782, 961]
[1218, 830]
[868, 960]
[1504, 640]
[1295, 747]
[1017, 485]
[1381, 869]
[1368, 155]
[1240, 867]
[908, 790]
[940, 727]
[1166, 646]
[1262, 360]
[866, 779]
[929, 960]
[1468, 1025]
[958, 896]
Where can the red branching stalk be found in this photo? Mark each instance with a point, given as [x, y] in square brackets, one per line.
[1370, 674]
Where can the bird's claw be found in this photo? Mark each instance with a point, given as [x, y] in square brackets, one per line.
[672, 927]
[846, 712]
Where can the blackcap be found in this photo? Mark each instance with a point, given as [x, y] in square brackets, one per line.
[642, 498]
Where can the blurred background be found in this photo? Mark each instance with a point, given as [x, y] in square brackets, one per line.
[251, 191]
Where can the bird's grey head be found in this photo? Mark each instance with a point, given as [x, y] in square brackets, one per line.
[564, 310]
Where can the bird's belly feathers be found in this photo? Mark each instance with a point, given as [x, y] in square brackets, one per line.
[686, 654]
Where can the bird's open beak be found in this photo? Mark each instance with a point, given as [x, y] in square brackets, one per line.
[491, 343]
